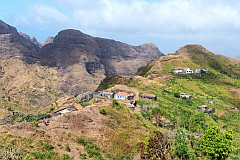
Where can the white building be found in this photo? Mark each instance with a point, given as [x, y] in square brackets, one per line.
[121, 96]
[198, 70]
[188, 70]
[177, 70]
[184, 95]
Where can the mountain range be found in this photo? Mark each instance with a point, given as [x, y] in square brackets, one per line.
[169, 115]
[68, 64]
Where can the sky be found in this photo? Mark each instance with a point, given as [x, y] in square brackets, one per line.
[170, 24]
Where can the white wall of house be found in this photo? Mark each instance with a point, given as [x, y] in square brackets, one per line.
[188, 70]
[120, 97]
[177, 70]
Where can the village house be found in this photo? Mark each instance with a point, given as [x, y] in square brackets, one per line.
[177, 70]
[78, 106]
[205, 109]
[108, 95]
[184, 95]
[123, 96]
[71, 108]
[148, 96]
[198, 70]
[188, 71]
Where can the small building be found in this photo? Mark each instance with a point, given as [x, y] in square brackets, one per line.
[177, 70]
[205, 109]
[148, 96]
[184, 95]
[188, 71]
[108, 95]
[78, 106]
[198, 70]
[64, 110]
[122, 96]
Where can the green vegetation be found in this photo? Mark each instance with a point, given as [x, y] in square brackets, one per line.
[157, 146]
[92, 149]
[142, 71]
[66, 157]
[181, 146]
[103, 110]
[67, 148]
[215, 144]
[168, 128]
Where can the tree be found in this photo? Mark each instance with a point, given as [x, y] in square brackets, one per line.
[215, 144]
[181, 145]
[157, 146]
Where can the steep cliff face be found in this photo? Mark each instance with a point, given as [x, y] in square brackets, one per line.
[14, 44]
[67, 65]
[115, 57]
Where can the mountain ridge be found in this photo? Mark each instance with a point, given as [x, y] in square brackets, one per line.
[68, 64]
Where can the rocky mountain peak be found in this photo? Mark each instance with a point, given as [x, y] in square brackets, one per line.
[7, 29]
[192, 49]
[72, 36]
[47, 41]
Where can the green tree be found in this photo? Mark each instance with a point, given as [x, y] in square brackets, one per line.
[215, 144]
[181, 145]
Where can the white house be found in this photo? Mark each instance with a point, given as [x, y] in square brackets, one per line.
[121, 96]
[184, 95]
[188, 70]
[177, 70]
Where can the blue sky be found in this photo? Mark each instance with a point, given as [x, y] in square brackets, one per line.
[170, 24]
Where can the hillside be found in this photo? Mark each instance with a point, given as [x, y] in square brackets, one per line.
[218, 89]
[159, 107]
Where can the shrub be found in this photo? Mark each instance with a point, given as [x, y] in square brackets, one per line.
[103, 111]
[34, 124]
[67, 148]
[66, 157]
[215, 144]
[48, 147]
[157, 146]
[92, 149]
[52, 108]
[32, 117]
[177, 95]
[13, 151]
[42, 155]
[181, 145]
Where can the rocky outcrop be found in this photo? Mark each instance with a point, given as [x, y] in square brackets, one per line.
[71, 63]
[117, 58]
[47, 41]
[14, 44]
[7, 29]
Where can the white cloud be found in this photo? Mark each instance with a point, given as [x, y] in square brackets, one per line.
[46, 15]
[163, 16]
[196, 21]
